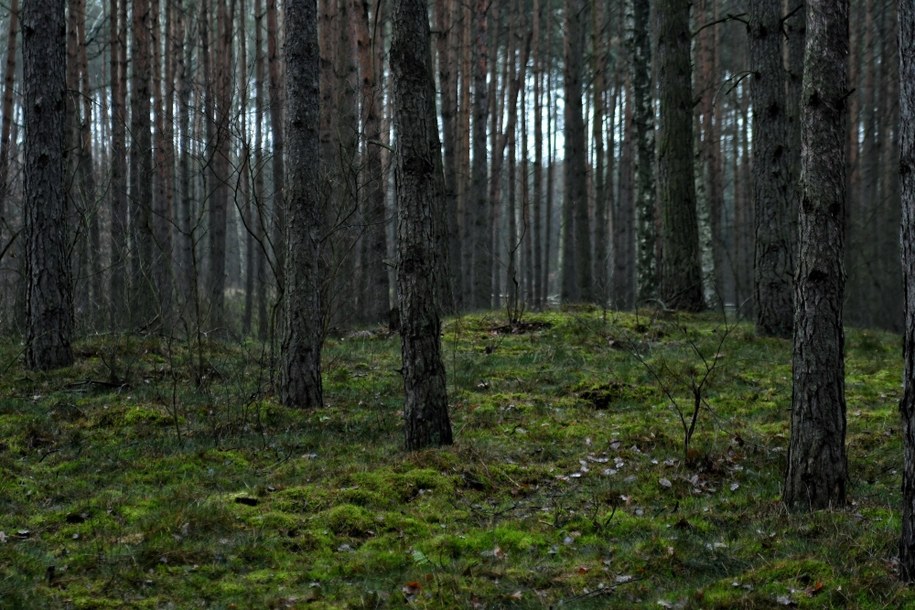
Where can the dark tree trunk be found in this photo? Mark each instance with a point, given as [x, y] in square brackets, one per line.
[576, 247]
[49, 300]
[303, 328]
[906, 15]
[143, 298]
[817, 472]
[681, 274]
[481, 252]
[643, 121]
[420, 194]
[772, 189]
[118, 304]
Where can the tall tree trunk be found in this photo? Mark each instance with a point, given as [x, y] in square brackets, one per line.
[163, 93]
[817, 472]
[772, 190]
[144, 295]
[303, 327]
[481, 252]
[87, 183]
[420, 189]
[576, 249]
[906, 17]
[49, 300]
[375, 289]
[537, 219]
[643, 120]
[624, 217]
[7, 237]
[217, 216]
[277, 122]
[681, 273]
[261, 209]
[603, 200]
[118, 303]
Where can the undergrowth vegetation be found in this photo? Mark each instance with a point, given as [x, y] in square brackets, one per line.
[161, 474]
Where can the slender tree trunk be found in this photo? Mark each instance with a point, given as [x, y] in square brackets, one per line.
[576, 249]
[482, 231]
[906, 37]
[643, 120]
[260, 201]
[274, 44]
[49, 300]
[772, 190]
[7, 273]
[163, 93]
[420, 190]
[217, 216]
[303, 327]
[118, 304]
[817, 472]
[537, 220]
[681, 273]
[376, 289]
[603, 200]
[144, 295]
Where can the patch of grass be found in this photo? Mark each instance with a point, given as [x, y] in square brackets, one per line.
[158, 472]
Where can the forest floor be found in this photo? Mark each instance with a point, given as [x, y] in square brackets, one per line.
[164, 474]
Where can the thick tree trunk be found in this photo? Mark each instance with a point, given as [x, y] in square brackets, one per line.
[681, 273]
[420, 193]
[49, 300]
[906, 37]
[303, 328]
[817, 472]
[772, 189]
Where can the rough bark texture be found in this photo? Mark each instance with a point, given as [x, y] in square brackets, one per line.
[643, 121]
[49, 300]
[906, 12]
[772, 190]
[576, 245]
[420, 191]
[681, 274]
[303, 328]
[118, 307]
[143, 297]
[376, 289]
[817, 466]
[481, 252]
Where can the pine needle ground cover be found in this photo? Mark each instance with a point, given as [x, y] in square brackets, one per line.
[162, 474]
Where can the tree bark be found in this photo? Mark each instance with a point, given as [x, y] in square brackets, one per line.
[906, 38]
[576, 248]
[817, 472]
[681, 273]
[643, 120]
[772, 189]
[420, 192]
[49, 300]
[303, 328]
[482, 254]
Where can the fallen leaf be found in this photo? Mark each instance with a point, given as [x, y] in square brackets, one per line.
[814, 589]
[665, 483]
[623, 578]
[583, 569]
[411, 590]
[516, 595]
[784, 600]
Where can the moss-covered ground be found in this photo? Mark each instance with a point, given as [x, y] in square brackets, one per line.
[161, 474]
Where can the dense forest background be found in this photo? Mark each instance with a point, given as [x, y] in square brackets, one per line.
[175, 167]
